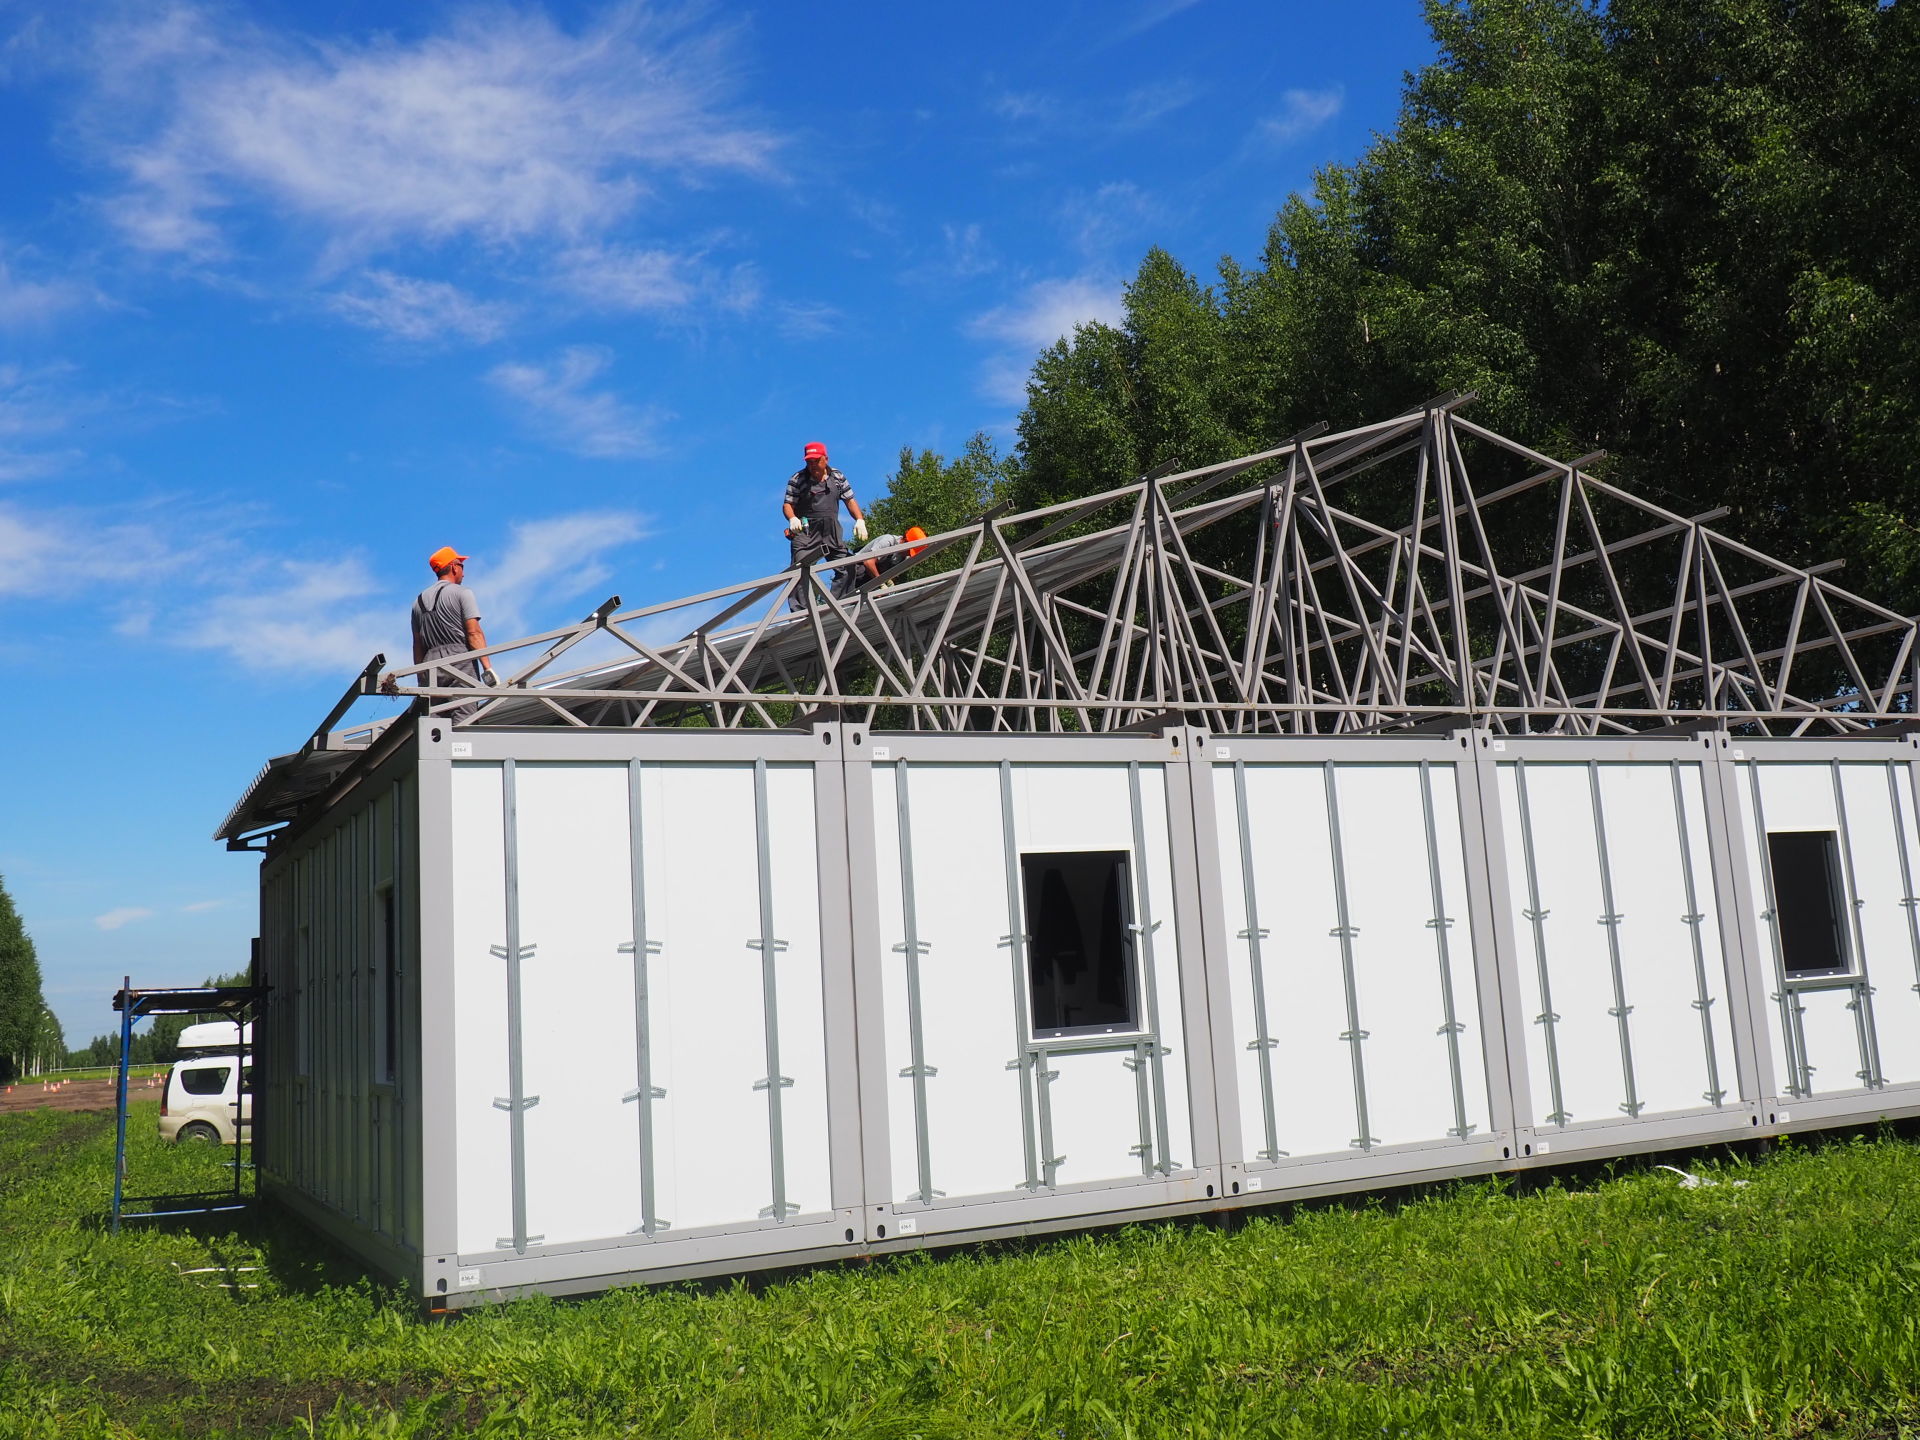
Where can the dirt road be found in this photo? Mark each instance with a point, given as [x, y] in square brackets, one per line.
[74, 1095]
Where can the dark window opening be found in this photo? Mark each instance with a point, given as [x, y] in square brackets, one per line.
[1809, 902]
[207, 1080]
[1079, 949]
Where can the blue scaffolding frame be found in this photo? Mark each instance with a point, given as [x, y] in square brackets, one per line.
[238, 1003]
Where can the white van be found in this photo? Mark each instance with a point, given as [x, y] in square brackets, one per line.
[204, 1091]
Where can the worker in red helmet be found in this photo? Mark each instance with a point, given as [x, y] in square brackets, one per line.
[815, 493]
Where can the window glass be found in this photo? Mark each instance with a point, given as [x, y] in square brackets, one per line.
[1079, 950]
[206, 1079]
[1809, 897]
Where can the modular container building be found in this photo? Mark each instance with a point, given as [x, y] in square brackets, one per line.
[1196, 845]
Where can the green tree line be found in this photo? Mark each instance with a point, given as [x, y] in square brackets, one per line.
[30, 1038]
[1684, 231]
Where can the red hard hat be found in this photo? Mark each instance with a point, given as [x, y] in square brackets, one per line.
[814, 448]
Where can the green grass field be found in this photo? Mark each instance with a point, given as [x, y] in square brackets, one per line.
[1788, 1305]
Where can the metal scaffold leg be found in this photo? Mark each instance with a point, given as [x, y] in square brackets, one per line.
[774, 1083]
[516, 1102]
[642, 949]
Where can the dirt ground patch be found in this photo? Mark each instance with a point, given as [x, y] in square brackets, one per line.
[72, 1095]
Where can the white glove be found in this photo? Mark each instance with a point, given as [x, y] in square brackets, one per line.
[860, 529]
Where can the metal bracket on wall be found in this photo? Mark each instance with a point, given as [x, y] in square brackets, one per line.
[1151, 1097]
[1536, 915]
[1866, 1031]
[912, 948]
[642, 949]
[1793, 1034]
[770, 947]
[1715, 1093]
[1016, 940]
[1611, 919]
[1451, 1026]
[1346, 932]
[1263, 1044]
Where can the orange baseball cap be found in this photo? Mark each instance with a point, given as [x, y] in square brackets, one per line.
[914, 532]
[445, 556]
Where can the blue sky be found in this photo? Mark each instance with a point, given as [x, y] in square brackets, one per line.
[293, 293]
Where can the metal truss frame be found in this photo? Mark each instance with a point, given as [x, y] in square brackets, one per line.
[1463, 579]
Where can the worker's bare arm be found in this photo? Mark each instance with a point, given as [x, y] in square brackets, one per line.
[477, 640]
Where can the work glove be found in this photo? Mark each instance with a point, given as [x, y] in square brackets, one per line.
[860, 529]
[493, 680]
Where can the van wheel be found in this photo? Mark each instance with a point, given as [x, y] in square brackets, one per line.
[199, 1132]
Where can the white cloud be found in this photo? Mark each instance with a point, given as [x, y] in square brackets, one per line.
[557, 400]
[33, 554]
[1146, 16]
[41, 405]
[47, 553]
[1302, 112]
[550, 562]
[963, 253]
[806, 320]
[200, 907]
[125, 915]
[503, 126]
[418, 311]
[34, 302]
[1114, 213]
[1023, 106]
[298, 615]
[1049, 310]
[624, 278]
[35, 405]
[1152, 103]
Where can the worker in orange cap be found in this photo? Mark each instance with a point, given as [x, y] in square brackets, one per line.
[856, 577]
[446, 620]
[815, 493]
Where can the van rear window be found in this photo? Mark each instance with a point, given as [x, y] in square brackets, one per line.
[206, 1080]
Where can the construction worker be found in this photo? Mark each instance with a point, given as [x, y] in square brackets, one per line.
[815, 493]
[446, 621]
[855, 577]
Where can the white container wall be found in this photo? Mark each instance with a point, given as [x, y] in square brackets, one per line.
[1355, 1006]
[1853, 1023]
[583, 1143]
[556, 1010]
[1623, 974]
[982, 1101]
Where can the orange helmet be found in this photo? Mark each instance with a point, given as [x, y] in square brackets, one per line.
[914, 532]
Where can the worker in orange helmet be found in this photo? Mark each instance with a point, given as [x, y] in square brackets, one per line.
[815, 493]
[878, 564]
[446, 621]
